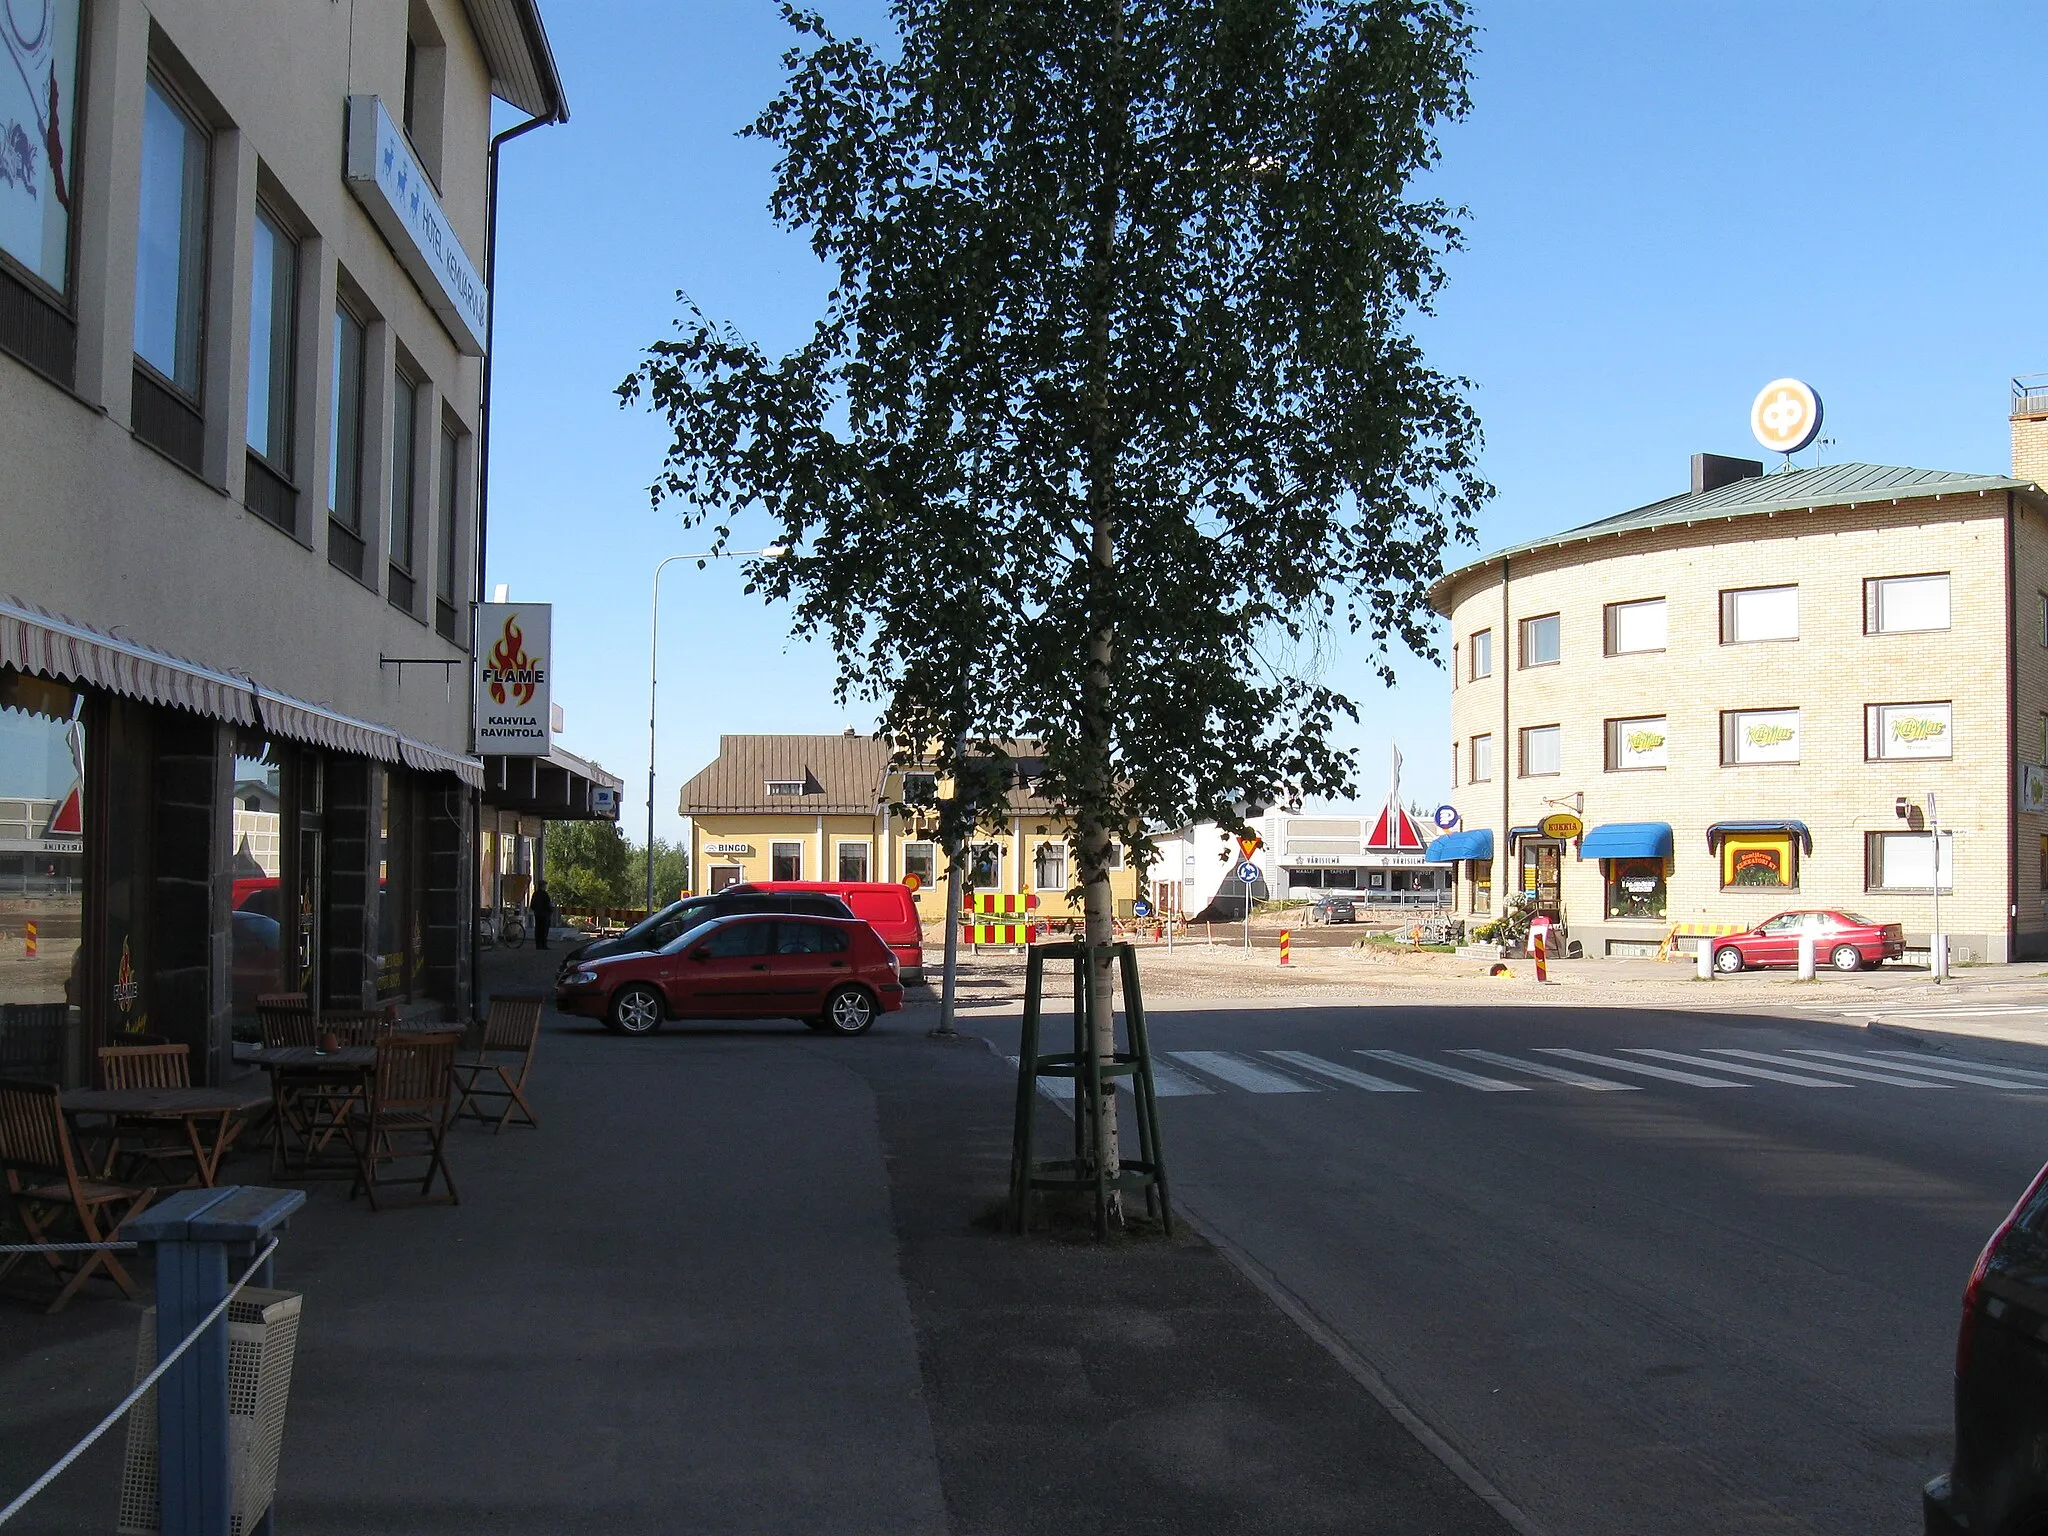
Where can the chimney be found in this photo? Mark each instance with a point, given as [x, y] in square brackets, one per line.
[1711, 471]
[2030, 428]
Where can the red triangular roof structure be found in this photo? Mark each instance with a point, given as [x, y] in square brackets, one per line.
[69, 821]
[1395, 832]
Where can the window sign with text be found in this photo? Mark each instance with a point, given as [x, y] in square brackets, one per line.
[38, 105]
[1760, 736]
[515, 656]
[1638, 743]
[1911, 730]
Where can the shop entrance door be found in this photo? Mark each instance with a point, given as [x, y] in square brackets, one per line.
[1542, 876]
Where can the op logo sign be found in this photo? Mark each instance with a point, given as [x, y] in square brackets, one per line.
[1785, 415]
[512, 696]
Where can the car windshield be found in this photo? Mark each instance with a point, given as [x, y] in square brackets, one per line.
[1857, 920]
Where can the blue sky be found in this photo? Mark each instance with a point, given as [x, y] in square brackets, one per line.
[1669, 206]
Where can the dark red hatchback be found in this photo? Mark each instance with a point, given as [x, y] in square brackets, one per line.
[834, 974]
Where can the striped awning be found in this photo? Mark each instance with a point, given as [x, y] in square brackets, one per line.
[33, 639]
[426, 759]
[319, 726]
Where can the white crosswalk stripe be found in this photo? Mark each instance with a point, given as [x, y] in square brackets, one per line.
[1449, 1074]
[1890, 1079]
[1170, 1083]
[1341, 1074]
[1669, 1074]
[1238, 1072]
[1979, 1066]
[1553, 1074]
[1799, 1080]
[1981, 1079]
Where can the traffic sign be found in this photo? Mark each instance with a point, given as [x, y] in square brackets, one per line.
[1446, 817]
[1141, 908]
[1247, 846]
[1248, 872]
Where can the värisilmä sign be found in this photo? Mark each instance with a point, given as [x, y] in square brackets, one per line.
[515, 652]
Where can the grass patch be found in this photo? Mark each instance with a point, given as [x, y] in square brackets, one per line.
[1391, 941]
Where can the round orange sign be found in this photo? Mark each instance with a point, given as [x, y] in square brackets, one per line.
[1785, 415]
[914, 880]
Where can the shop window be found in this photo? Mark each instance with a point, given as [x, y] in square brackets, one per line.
[1759, 736]
[405, 410]
[42, 872]
[400, 938]
[1482, 654]
[345, 444]
[921, 860]
[273, 325]
[1541, 640]
[1905, 861]
[1305, 879]
[1542, 751]
[1481, 881]
[1759, 613]
[1633, 627]
[1635, 887]
[1049, 867]
[1899, 605]
[1759, 859]
[786, 861]
[853, 863]
[1340, 879]
[258, 949]
[41, 94]
[1908, 731]
[1636, 744]
[1482, 760]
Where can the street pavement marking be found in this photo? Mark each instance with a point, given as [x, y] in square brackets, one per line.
[1977, 1066]
[1961, 1077]
[1554, 1074]
[1992, 1010]
[1341, 1074]
[1170, 1083]
[1248, 1075]
[1449, 1074]
[1888, 1078]
[1668, 1073]
[1793, 1078]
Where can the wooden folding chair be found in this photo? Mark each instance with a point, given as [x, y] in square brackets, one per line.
[511, 1036]
[280, 1000]
[48, 1193]
[406, 1115]
[146, 1066]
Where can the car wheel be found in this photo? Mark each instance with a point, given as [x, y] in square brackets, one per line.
[1728, 960]
[1847, 957]
[849, 1011]
[636, 1011]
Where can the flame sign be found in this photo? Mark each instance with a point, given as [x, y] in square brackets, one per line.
[509, 662]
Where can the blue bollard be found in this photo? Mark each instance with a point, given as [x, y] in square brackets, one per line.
[204, 1239]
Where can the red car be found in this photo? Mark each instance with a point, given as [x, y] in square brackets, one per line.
[835, 974]
[1840, 939]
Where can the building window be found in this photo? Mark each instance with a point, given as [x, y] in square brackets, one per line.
[40, 95]
[1759, 613]
[785, 861]
[1542, 751]
[2044, 861]
[1635, 887]
[2041, 739]
[1759, 736]
[1482, 760]
[42, 871]
[779, 789]
[170, 261]
[2041, 617]
[985, 866]
[1482, 886]
[1636, 743]
[1900, 605]
[1637, 626]
[921, 789]
[273, 317]
[445, 610]
[1759, 859]
[1904, 861]
[921, 860]
[1908, 731]
[1454, 765]
[1455, 658]
[1113, 855]
[1540, 640]
[1049, 867]
[1482, 652]
[405, 411]
[853, 863]
[345, 436]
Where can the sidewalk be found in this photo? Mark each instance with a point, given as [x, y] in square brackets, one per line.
[734, 1284]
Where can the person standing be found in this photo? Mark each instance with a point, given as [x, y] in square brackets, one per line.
[543, 915]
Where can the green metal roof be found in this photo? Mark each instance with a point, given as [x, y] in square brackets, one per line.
[1799, 490]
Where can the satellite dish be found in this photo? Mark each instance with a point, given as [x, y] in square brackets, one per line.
[1785, 415]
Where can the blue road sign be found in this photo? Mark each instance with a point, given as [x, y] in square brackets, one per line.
[1141, 908]
[1248, 872]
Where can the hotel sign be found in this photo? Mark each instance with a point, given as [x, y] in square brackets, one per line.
[515, 654]
[388, 181]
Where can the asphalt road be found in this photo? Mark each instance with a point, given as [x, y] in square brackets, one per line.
[1634, 1302]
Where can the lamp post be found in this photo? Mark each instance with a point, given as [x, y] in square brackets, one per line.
[771, 552]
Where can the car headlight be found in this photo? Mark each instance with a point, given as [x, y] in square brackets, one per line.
[582, 979]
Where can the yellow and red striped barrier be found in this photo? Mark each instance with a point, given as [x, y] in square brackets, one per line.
[28, 940]
[1286, 945]
[1669, 947]
[995, 904]
[1536, 947]
[999, 933]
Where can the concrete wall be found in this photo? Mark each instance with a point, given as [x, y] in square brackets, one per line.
[1831, 672]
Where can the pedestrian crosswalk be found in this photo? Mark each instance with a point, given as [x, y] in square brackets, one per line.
[1626, 1069]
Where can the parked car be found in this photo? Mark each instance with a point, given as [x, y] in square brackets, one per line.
[679, 917]
[1840, 939]
[834, 974]
[891, 910]
[1333, 909]
[1997, 1484]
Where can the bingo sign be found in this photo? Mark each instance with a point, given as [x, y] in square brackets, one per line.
[1786, 415]
[515, 654]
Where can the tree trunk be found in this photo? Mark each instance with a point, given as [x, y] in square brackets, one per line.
[949, 985]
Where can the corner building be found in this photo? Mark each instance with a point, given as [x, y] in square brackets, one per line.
[243, 310]
[1747, 698]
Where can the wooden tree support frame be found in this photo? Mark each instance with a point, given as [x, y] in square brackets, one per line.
[1094, 1076]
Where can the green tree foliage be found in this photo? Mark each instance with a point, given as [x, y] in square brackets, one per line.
[590, 864]
[1114, 413]
[671, 873]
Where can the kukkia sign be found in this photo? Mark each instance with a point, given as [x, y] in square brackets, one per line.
[515, 654]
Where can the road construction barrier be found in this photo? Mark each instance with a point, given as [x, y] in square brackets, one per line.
[1669, 950]
[983, 934]
[1536, 948]
[1286, 944]
[995, 904]
[28, 942]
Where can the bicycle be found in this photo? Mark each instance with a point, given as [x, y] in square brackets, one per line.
[512, 926]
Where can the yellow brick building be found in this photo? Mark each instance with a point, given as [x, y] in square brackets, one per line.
[1736, 693]
[775, 807]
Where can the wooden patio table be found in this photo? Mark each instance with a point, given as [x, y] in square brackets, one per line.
[193, 1107]
[295, 1067]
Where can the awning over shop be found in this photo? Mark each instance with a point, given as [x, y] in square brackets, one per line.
[1723, 829]
[426, 759]
[560, 786]
[319, 726]
[1516, 834]
[1456, 847]
[1628, 840]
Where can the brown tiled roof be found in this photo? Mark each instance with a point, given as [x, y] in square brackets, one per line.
[842, 775]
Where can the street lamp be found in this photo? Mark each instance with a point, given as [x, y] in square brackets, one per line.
[771, 552]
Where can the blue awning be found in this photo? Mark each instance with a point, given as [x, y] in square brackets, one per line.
[1455, 847]
[1721, 829]
[1516, 834]
[1628, 840]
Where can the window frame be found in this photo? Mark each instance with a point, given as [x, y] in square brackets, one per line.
[402, 556]
[1474, 647]
[345, 451]
[1734, 845]
[1474, 776]
[781, 789]
[1873, 603]
[1729, 755]
[1525, 627]
[1614, 728]
[840, 847]
[1611, 878]
[1610, 624]
[193, 243]
[1873, 863]
[64, 296]
[1728, 605]
[929, 875]
[448, 492]
[1873, 744]
[1522, 769]
[777, 851]
[1038, 855]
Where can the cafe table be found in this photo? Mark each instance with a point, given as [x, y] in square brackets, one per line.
[311, 1091]
[208, 1115]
